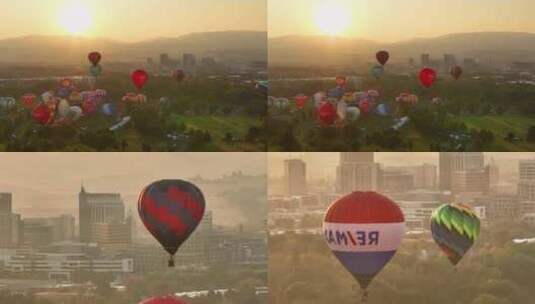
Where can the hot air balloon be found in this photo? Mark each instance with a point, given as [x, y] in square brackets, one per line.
[336, 93]
[75, 113]
[66, 83]
[109, 109]
[164, 300]
[94, 58]
[7, 103]
[456, 72]
[382, 110]
[179, 75]
[407, 99]
[365, 106]
[139, 78]
[382, 57]
[42, 114]
[455, 228]
[353, 113]
[377, 71]
[300, 101]
[364, 231]
[63, 108]
[341, 110]
[89, 106]
[327, 113]
[95, 70]
[171, 210]
[64, 92]
[428, 77]
[28, 100]
[341, 81]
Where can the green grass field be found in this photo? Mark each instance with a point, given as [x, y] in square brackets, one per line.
[219, 126]
[501, 126]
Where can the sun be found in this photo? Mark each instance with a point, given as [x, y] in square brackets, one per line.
[332, 19]
[75, 19]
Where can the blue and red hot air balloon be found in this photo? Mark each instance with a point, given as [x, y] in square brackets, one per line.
[364, 231]
[171, 210]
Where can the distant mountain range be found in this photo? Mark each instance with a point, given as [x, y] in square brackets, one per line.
[500, 47]
[50, 50]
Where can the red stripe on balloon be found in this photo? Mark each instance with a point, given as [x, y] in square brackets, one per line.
[364, 208]
[163, 215]
[186, 201]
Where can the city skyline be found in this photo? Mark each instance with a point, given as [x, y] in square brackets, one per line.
[318, 161]
[39, 190]
[393, 21]
[130, 20]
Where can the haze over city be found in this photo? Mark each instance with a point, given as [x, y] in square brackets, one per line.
[48, 184]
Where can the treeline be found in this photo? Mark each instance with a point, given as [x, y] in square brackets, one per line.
[495, 271]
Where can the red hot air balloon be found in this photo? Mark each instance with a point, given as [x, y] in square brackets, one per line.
[428, 77]
[171, 210]
[140, 78]
[179, 75]
[28, 100]
[327, 114]
[41, 114]
[456, 72]
[382, 57]
[94, 58]
[164, 300]
[300, 101]
[341, 81]
[364, 231]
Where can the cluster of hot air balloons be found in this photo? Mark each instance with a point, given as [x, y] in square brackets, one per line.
[365, 229]
[64, 104]
[164, 300]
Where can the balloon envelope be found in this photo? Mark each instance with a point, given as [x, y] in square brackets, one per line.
[300, 101]
[108, 109]
[364, 231]
[382, 57]
[28, 100]
[428, 77]
[341, 81]
[456, 72]
[455, 228]
[171, 210]
[139, 78]
[164, 300]
[94, 58]
[41, 114]
[179, 75]
[327, 113]
[377, 71]
[95, 70]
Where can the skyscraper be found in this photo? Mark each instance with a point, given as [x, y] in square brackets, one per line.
[526, 184]
[102, 217]
[357, 171]
[9, 222]
[462, 172]
[451, 162]
[295, 177]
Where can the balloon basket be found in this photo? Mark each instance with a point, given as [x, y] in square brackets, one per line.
[364, 298]
[171, 262]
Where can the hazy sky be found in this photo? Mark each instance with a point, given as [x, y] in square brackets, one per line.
[129, 20]
[394, 20]
[323, 165]
[48, 183]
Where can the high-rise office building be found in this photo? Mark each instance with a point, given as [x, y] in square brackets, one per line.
[102, 216]
[10, 224]
[451, 162]
[357, 171]
[295, 177]
[526, 184]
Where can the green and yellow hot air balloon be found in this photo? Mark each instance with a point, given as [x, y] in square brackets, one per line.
[455, 228]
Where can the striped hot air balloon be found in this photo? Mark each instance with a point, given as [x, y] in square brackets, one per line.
[171, 210]
[364, 231]
[455, 228]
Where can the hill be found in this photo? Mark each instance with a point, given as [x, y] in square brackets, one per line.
[502, 47]
[50, 50]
